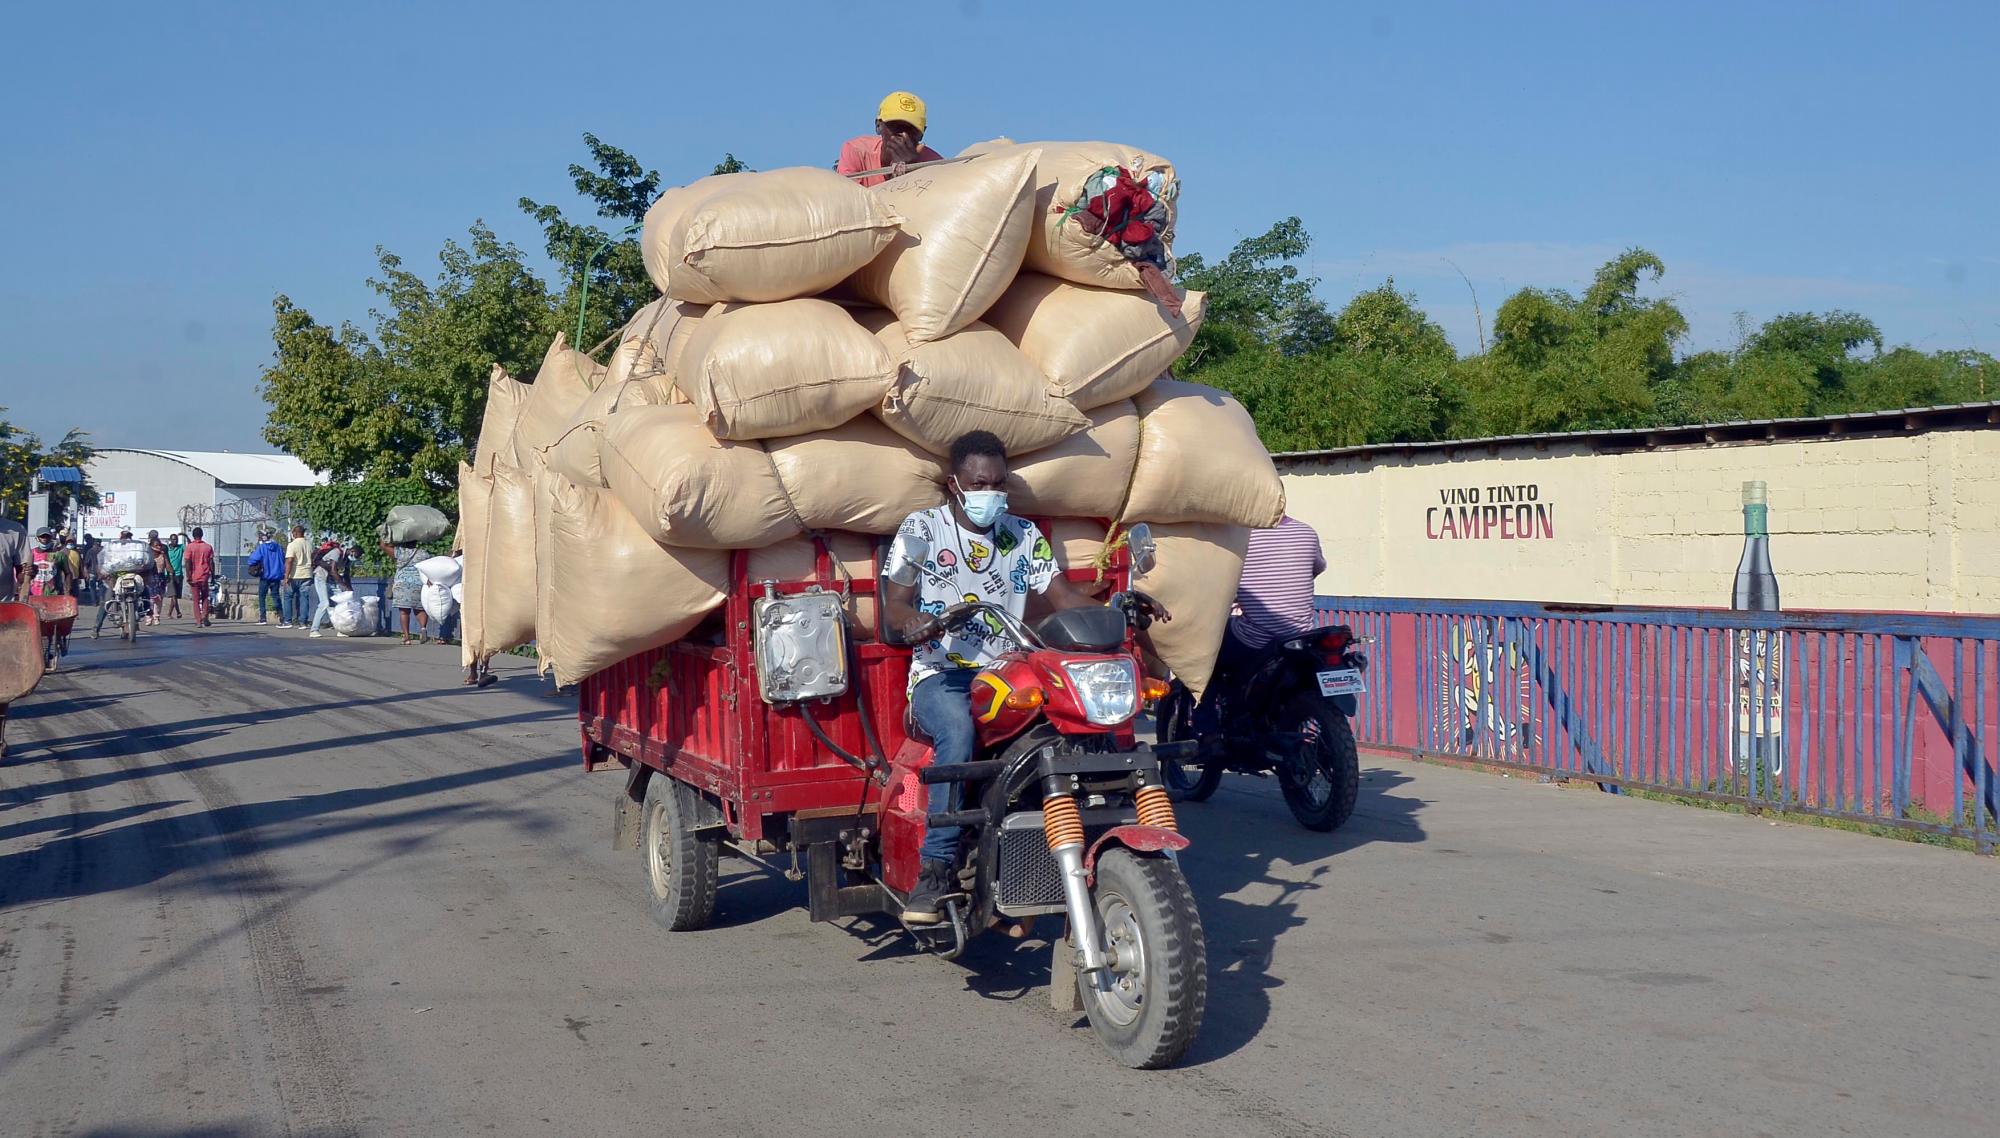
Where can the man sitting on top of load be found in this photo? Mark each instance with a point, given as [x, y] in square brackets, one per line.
[897, 142]
[977, 551]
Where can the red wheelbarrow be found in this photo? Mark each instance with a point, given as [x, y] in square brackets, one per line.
[21, 659]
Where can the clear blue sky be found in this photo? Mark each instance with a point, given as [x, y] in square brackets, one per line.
[169, 167]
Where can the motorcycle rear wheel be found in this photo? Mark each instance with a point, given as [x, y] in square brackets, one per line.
[1147, 1007]
[1173, 723]
[1321, 781]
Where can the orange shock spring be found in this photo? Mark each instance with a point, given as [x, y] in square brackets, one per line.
[1061, 822]
[1155, 808]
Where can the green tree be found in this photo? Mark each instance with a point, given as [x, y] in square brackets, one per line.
[1256, 295]
[354, 509]
[23, 455]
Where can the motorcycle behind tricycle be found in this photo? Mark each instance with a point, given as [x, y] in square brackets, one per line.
[766, 740]
[1286, 710]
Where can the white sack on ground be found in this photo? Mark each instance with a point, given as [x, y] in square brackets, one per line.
[773, 236]
[1200, 461]
[1196, 578]
[1096, 345]
[665, 215]
[965, 229]
[859, 476]
[685, 487]
[574, 454]
[442, 571]
[566, 379]
[796, 559]
[499, 523]
[1084, 476]
[759, 371]
[1060, 246]
[505, 396]
[973, 379]
[345, 616]
[615, 592]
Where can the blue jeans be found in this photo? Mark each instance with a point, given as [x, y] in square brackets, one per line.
[267, 587]
[942, 707]
[295, 590]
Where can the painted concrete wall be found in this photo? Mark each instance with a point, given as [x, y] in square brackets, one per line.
[1902, 522]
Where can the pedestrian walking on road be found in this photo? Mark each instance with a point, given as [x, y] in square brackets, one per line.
[176, 552]
[156, 579]
[406, 591]
[17, 558]
[298, 575]
[268, 559]
[199, 561]
[329, 567]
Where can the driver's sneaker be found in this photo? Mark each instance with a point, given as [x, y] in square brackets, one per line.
[934, 883]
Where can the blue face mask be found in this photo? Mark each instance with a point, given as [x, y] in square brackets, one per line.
[983, 507]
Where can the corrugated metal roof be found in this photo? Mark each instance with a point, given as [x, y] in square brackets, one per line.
[232, 469]
[1739, 430]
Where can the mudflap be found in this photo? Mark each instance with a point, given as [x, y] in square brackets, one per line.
[1142, 839]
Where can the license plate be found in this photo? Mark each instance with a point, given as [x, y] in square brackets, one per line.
[1342, 681]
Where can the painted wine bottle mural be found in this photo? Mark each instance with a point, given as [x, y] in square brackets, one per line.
[1760, 664]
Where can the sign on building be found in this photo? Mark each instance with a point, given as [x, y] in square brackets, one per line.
[115, 510]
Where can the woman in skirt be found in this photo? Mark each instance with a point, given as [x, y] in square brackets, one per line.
[406, 591]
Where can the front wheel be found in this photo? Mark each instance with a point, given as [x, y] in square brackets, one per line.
[1320, 773]
[1174, 723]
[130, 615]
[1148, 1005]
[682, 863]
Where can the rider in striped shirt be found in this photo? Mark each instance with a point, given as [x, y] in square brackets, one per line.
[1274, 599]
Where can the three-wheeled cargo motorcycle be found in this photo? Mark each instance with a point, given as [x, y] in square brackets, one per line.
[780, 732]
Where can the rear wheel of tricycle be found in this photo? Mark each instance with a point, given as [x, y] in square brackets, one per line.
[1321, 774]
[1148, 1005]
[681, 862]
[1186, 780]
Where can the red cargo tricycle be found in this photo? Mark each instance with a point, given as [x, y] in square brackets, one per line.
[779, 731]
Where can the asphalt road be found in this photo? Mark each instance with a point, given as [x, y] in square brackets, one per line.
[256, 884]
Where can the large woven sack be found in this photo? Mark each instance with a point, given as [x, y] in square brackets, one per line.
[413, 524]
[664, 327]
[1200, 461]
[615, 592]
[851, 559]
[505, 396]
[1060, 246]
[1196, 577]
[965, 229]
[574, 455]
[1086, 475]
[859, 476]
[544, 482]
[972, 380]
[685, 487]
[664, 217]
[499, 560]
[566, 379]
[758, 371]
[1096, 345]
[773, 236]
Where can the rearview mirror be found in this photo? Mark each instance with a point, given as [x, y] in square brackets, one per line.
[1145, 552]
[906, 555]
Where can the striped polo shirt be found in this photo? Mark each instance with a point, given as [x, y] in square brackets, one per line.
[1275, 597]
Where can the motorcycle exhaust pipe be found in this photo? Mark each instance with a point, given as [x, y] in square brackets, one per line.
[1062, 824]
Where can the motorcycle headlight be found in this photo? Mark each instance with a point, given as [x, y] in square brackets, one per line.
[1108, 689]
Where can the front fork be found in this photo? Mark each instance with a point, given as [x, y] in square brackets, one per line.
[1062, 824]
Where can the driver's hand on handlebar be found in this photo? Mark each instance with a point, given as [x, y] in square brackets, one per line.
[1151, 607]
[918, 627]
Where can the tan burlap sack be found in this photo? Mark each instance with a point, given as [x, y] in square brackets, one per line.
[615, 592]
[628, 359]
[1084, 476]
[566, 379]
[665, 327]
[1096, 345]
[470, 540]
[1196, 577]
[544, 481]
[773, 236]
[574, 455]
[859, 476]
[499, 560]
[758, 371]
[965, 229]
[1060, 246]
[687, 488]
[505, 396]
[972, 380]
[665, 215]
[1200, 461]
[795, 559]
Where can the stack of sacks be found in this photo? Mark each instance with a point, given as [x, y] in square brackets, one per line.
[816, 349]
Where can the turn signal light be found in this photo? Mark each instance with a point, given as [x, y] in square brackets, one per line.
[1153, 690]
[1026, 699]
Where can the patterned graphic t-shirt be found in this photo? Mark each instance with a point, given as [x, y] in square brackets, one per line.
[966, 565]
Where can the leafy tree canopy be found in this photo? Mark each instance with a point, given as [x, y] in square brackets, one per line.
[23, 454]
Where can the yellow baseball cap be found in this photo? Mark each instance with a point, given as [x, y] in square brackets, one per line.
[901, 106]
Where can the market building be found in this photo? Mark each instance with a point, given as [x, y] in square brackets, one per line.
[227, 493]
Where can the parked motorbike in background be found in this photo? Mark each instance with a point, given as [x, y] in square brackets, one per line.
[1286, 712]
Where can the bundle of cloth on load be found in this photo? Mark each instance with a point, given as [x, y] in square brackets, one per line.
[816, 348]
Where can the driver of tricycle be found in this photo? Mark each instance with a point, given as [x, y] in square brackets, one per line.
[977, 552]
